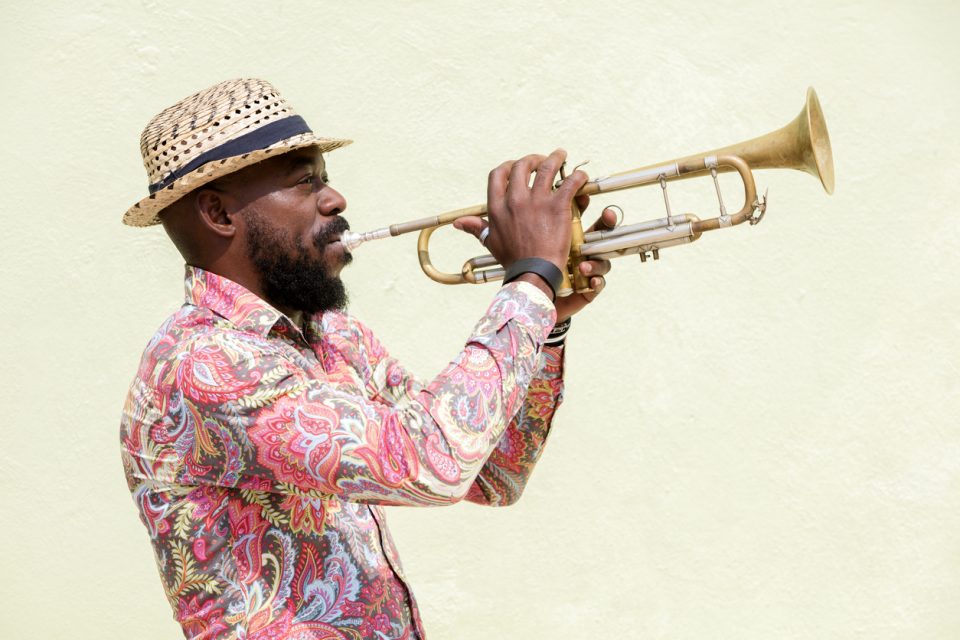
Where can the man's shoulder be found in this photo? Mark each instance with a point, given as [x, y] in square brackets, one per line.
[344, 333]
[340, 325]
[340, 321]
[191, 330]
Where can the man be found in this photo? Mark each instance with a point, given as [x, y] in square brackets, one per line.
[265, 426]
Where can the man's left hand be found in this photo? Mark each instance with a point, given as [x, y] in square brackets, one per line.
[594, 269]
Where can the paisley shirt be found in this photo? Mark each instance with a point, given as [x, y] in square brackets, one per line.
[259, 456]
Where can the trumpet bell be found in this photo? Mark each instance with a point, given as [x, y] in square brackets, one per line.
[803, 144]
[812, 124]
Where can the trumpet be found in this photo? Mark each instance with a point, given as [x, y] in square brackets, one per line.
[803, 144]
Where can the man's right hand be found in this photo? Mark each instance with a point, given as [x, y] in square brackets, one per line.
[528, 221]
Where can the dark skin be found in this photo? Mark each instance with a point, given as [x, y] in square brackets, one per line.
[534, 221]
[209, 226]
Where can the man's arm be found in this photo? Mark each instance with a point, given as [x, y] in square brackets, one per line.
[503, 478]
[504, 475]
[232, 409]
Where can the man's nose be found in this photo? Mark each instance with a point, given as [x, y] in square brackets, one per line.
[330, 202]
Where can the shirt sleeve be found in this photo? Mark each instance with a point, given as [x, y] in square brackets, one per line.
[502, 479]
[235, 410]
[504, 475]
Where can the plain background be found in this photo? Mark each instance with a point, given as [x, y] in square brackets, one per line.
[760, 434]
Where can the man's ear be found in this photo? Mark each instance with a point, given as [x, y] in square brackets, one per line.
[212, 206]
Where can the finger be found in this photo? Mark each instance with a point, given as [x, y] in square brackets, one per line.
[583, 201]
[597, 284]
[522, 168]
[606, 221]
[609, 217]
[595, 267]
[474, 225]
[497, 186]
[548, 169]
[573, 183]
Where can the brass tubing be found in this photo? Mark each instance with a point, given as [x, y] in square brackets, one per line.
[657, 234]
[749, 198]
[623, 230]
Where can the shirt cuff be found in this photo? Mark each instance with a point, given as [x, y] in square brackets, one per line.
[532, 291]
[522, 303]
[532, 307]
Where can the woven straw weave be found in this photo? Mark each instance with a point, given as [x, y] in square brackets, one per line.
[202, 122]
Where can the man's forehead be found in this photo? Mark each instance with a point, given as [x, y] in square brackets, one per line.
[279, 167]
[303, 157]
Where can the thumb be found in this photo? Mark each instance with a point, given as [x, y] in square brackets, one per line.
[471, 224]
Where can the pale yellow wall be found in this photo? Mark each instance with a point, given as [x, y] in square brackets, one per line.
[760, 437]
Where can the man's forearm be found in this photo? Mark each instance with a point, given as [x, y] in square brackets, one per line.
[504, 476]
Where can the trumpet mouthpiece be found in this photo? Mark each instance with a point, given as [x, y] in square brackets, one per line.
[351, 239]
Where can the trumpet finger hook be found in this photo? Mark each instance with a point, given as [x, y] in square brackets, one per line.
[563, 172]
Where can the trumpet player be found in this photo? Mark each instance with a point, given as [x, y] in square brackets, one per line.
[266, 427]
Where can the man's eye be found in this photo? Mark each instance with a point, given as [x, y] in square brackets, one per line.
[307, 179]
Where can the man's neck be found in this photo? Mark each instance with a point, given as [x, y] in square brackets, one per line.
[298, 318]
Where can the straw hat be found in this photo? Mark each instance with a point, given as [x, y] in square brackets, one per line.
[214, 132]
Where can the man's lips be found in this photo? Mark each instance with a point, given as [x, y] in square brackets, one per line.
[332, 233]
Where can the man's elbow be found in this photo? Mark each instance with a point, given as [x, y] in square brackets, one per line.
[488, 495]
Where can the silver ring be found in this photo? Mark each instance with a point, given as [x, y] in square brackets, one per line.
[484, 234]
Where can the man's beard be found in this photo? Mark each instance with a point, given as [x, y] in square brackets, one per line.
[291, 278]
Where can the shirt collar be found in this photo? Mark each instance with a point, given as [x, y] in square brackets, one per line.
[245, 309]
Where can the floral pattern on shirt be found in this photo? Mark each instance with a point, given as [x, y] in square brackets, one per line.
[259, 456]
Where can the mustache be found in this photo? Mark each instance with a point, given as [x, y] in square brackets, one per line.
[337, 226]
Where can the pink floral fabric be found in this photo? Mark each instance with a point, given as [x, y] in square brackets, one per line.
[259, 456]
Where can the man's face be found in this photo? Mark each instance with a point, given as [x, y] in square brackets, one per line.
[291, 223]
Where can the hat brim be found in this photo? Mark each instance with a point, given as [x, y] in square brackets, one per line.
[146, 212]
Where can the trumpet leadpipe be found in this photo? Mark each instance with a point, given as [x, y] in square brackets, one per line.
[352, 239]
